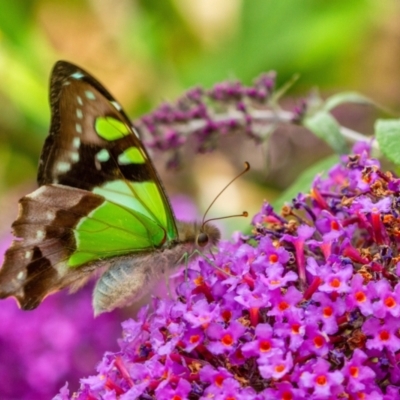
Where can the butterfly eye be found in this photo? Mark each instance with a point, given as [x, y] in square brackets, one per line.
[202, 239]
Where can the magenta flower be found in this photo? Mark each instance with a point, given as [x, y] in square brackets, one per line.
[58, 341]
[387, 299]
[307, 306]
[358, 375]
[383, 334]
[224, 340]
[276, 367]
[359, 297]
[265, 344]
[322, 382]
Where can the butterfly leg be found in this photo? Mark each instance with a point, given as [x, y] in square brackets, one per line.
[197, 253]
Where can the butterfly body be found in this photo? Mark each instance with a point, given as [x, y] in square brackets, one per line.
[100, 207]
[127, 279]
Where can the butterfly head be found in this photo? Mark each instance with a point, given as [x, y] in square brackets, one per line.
[196, 235]
[208, 236]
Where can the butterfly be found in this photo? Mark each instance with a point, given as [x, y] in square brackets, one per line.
[100, 208]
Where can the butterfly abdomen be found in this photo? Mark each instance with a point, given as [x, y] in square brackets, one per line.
[129, 278]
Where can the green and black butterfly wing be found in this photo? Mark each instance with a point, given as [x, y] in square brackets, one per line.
[99, 195]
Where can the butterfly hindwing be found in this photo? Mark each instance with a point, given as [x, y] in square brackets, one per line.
[99, 196]
[37, 262]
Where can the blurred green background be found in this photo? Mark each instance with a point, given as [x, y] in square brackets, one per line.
[146, 52]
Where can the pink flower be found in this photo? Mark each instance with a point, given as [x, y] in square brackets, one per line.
[249, 330]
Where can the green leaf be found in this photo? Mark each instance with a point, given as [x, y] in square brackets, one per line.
[345, 97]
[387, 132]
[304, 181]
[326, 127]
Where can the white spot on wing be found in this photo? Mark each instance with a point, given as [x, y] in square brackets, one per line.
[28, 254]
[79, 113]
[80, 102]
[50, 215]
[75, 156]
[38, 192]
[21, 275]
[63, 166]
[76, 142]
[90, 95]
[116, 105]
[78, 128]
[39, 235]
[77, 75]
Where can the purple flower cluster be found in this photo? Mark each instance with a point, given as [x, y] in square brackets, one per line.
[206, 114]
[59, 341]
[307, 307]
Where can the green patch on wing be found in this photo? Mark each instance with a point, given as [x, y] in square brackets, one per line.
[133, 218]
[111, 129]
[149, 194]
[142, 197]
[113, 230]
[132, 155]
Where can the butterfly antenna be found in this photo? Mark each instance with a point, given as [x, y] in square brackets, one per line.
[244, 214]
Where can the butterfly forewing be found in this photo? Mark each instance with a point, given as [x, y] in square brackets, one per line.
[93, 146]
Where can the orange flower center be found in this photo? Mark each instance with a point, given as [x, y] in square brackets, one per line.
[227, 339]
[335, 283]
[360, 297]
[384, 335]
[296, 328]
[198, 281]
[273, 258]
[283, 306]
[279, 368]
[390, 302]
[219, 380]
[194, 338]
[265, 346]
[334, 225]
[353, 371]
[321, 380]
[327, 311]
[318, 341]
